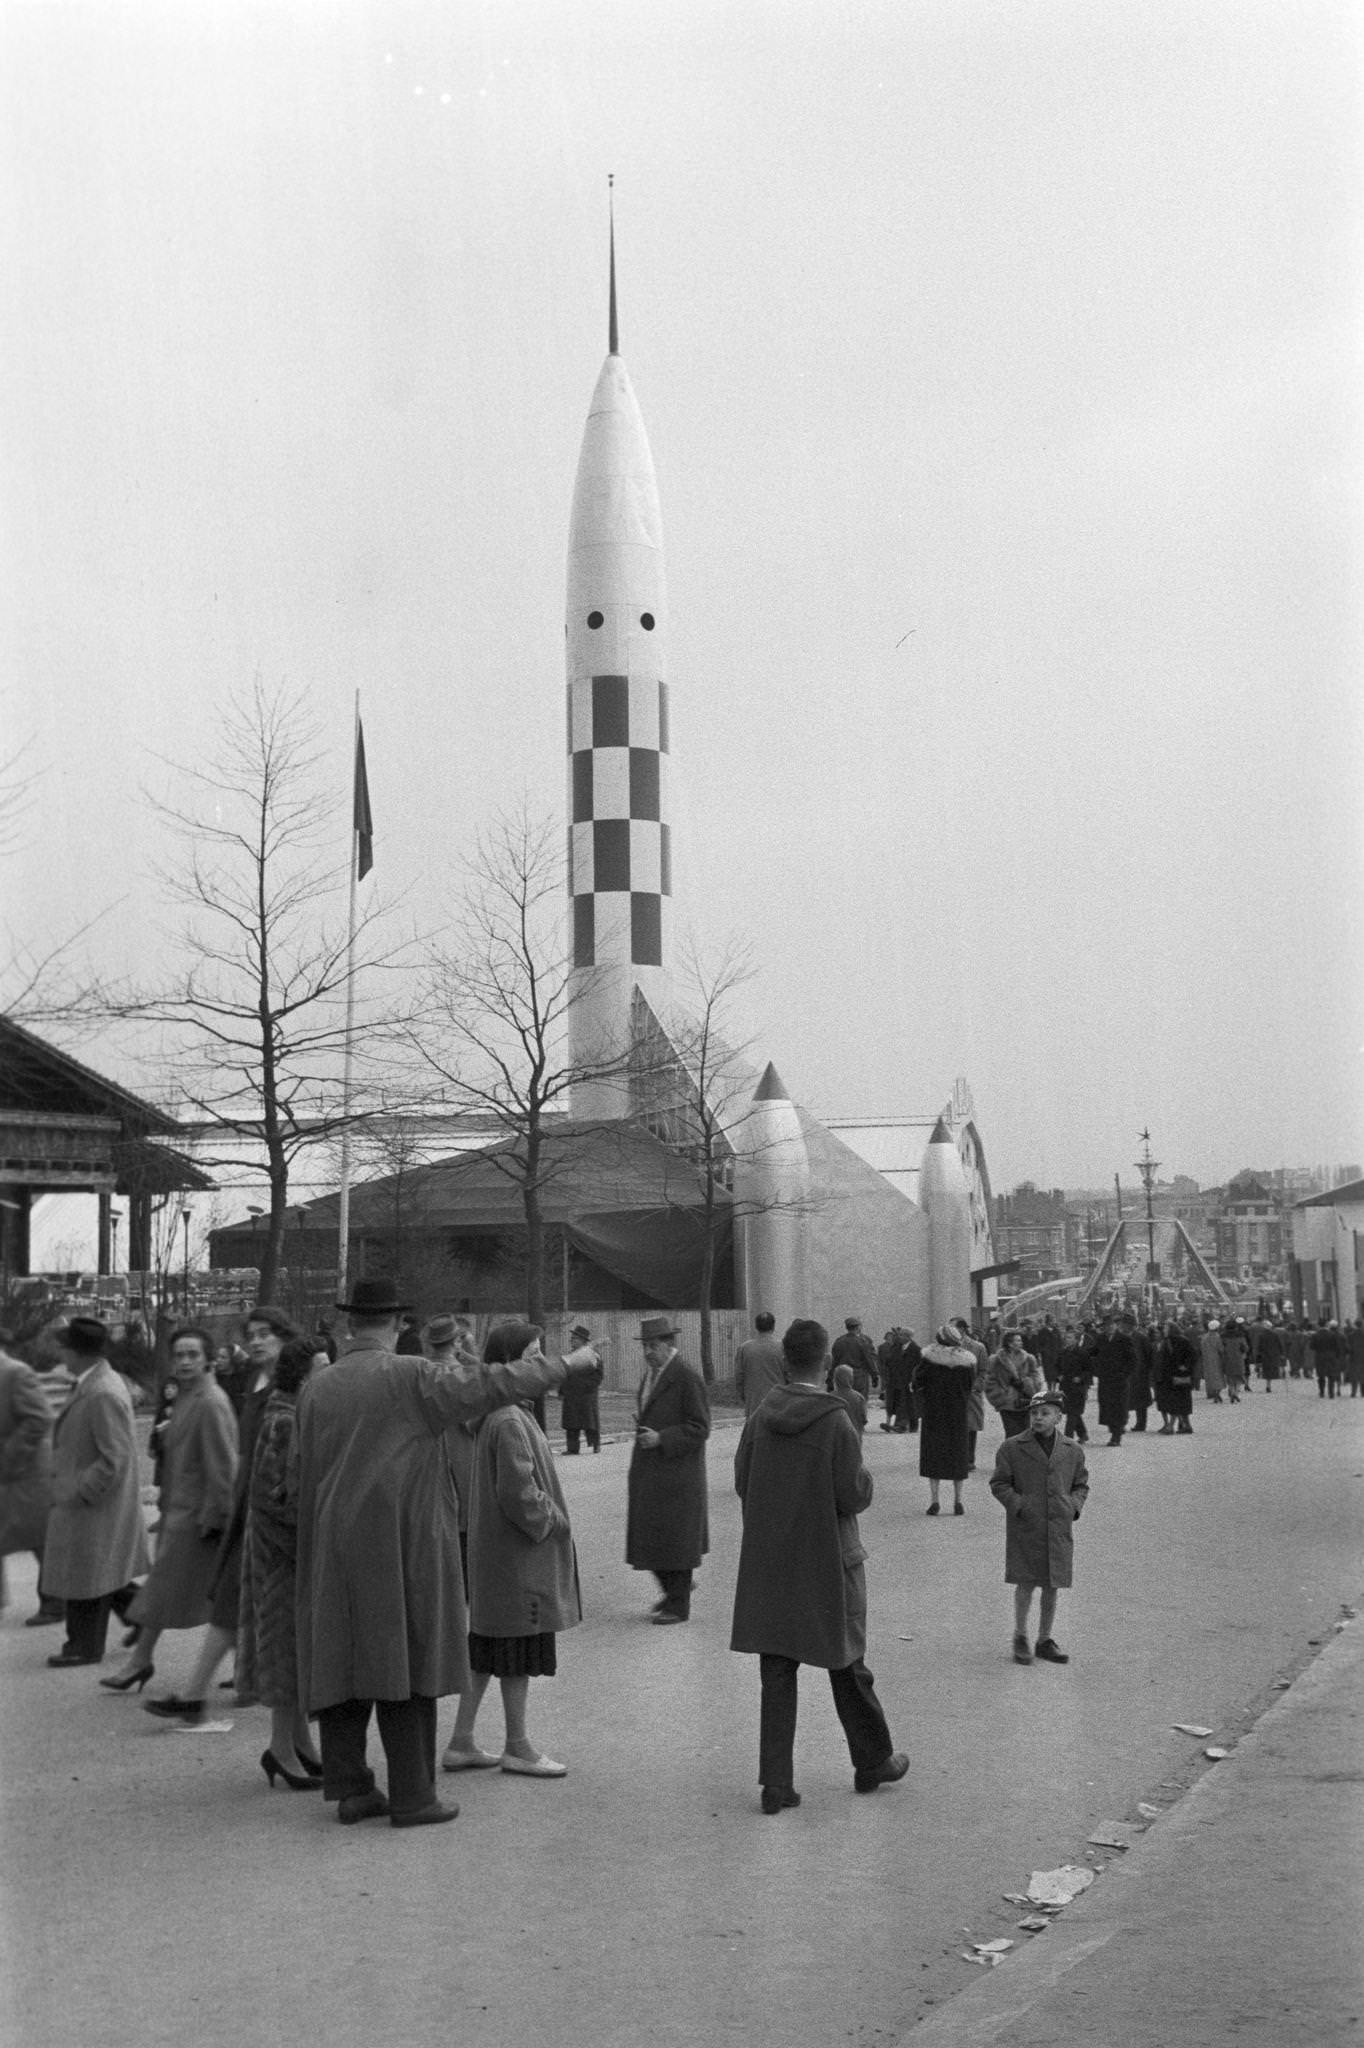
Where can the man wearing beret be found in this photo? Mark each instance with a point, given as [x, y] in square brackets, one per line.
[666, 1530]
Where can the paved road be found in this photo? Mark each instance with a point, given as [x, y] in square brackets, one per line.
[163, 1894]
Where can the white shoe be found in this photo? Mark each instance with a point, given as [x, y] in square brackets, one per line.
[534, 1767]
[468, 1760]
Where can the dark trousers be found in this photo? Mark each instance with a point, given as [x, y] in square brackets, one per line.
[901, 1412]
[1075, 1425]
[407, 1730]
[573, 1435]
[855, 1703]
[677, 1589]
[87, 1625]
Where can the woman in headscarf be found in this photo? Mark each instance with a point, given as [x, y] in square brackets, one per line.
[523, 1572]
[942, 1387]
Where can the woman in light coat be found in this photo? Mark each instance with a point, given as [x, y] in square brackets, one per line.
[523, 1573]
[196, 1500]
[96, 1537]
[1012, 1377]
[1235, 1354]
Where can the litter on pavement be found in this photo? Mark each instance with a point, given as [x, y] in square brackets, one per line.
[1215, 1753]
[987, 1952]
[1191, 1728]
[1058, 1887]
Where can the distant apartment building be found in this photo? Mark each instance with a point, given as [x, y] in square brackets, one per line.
[1254, 1233]
[1249, 1227]
[1039, 1229]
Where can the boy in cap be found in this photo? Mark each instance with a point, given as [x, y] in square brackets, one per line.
[1041, 1482]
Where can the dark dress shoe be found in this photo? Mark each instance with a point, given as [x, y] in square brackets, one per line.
[888, 1773]
[48, 1614]
[171, 1708]
[64, 1659]
[425, 1816]
[775, 1797]
[360, 1806]
[664, 1617]
[1049, 1653]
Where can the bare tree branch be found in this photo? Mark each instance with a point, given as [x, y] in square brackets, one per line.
[493, 1034]
[256, 1013]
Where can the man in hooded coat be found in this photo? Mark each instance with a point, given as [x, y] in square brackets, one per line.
[801, 1595]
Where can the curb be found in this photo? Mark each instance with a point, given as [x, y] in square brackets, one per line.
[976, 2016]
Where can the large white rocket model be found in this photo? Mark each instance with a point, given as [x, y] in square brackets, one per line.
[772, 1202]
[619, 844]
[946, 1204]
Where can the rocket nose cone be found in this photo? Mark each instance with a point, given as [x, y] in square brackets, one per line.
[771, 1088]
[941, 1134]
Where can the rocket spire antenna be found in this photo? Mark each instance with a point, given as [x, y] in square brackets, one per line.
[613, 335]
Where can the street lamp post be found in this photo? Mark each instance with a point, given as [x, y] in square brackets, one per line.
[1146, 1167]
[184, 1218]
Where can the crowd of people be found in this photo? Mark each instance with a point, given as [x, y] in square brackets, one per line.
[370, 1527]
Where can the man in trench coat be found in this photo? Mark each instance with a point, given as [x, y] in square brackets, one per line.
[666, 1529]
[801, 1595]
[96, 1536]
[1041, 1482]
[382, 1620]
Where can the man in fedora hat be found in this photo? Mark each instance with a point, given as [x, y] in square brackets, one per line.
[96, 1540]
[382, 1618]
[666, 1530]
[580, 1415]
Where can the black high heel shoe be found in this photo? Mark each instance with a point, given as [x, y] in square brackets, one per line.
[273, 1769]
[136, 1678]
[311, 1765]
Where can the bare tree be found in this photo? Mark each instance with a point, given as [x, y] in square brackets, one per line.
[499, 997]
[256, 1013]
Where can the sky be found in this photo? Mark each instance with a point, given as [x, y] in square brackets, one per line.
[1001, 367]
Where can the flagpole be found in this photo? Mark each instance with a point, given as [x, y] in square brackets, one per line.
[343, 1207]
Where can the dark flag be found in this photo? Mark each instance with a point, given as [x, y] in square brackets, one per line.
[364, 822]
